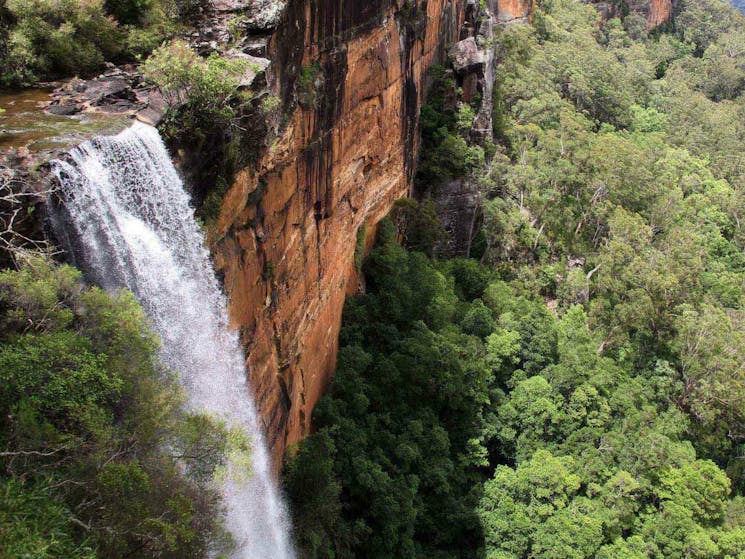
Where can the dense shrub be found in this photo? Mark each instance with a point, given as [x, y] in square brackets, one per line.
[53, 38]
[445, 152]
[50, 39]
[97, 449]
[197, 89]
[128, 11]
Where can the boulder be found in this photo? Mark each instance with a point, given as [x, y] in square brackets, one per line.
[263, 15]
[64, 110]
[466, 56]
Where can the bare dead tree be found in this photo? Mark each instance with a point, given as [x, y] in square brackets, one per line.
[18, 202]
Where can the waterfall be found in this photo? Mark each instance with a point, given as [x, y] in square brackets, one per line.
[128, 223]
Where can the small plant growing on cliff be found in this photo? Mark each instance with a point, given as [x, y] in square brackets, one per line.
[236, 28]
[267, 274]
[307, 85]
[464, 118]
[270, 104]
[173, 68]
[183, 77]
[213, 200]
[359, 247]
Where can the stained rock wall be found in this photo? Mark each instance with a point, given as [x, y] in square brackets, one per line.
[474, 63]
[508, 11]
[355, 73]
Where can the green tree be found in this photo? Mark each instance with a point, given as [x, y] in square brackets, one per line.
[197, 90]
[85, 408]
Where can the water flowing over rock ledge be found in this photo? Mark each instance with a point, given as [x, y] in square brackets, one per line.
[126, 220]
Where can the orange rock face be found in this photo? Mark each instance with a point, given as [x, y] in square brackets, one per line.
[659, 12]
[511, 10]
[286, 236]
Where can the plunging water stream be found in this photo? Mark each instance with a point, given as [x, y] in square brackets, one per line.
[129, 224]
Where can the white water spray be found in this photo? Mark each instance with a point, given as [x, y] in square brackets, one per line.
[130, 225]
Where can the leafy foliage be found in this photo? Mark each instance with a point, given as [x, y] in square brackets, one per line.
[98, 458]
[400, 438]
[445, 153]
[57, 38]
[197, 90]
[50, 39]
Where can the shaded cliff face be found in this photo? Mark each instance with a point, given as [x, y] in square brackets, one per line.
[285, 240]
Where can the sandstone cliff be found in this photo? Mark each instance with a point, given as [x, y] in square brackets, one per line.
[285, 241]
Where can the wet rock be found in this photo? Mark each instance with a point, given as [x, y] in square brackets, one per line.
[149, 116]
[256, 67]
[111, 91]
[230, 6]
[458, 206]
[119, 91]
[64, 110]
[258, 47]
[155, 106]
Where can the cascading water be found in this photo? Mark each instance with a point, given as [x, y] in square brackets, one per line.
[129, 224]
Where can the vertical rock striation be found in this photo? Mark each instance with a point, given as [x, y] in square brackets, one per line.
[355, 74]
[657, 12]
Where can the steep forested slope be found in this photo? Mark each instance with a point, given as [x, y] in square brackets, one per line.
[580, 388]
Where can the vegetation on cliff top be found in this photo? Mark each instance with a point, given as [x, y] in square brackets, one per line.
[197, 90]
[580, 389]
